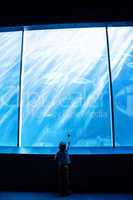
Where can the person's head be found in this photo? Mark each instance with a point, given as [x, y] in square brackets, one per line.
[62, 146]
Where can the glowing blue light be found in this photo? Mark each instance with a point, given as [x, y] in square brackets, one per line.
[121, 52]
[10, 50]
[65, 87]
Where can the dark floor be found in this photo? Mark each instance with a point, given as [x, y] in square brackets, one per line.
[50, 196]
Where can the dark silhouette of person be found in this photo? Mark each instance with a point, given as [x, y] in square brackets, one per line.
[63, 168]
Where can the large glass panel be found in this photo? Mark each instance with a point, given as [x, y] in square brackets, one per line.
[65, 87]
[121, 55]
[10, 50]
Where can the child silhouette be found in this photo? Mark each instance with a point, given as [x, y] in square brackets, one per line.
[63, 163]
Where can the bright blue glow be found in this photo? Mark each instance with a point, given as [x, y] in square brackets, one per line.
[121, 54]
[10, 50]
[65, 88]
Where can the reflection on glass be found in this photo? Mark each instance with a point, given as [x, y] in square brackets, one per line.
[65, 88]
[10, 50]
[121, 54]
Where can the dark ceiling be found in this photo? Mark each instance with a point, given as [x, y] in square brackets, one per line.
[36, 12]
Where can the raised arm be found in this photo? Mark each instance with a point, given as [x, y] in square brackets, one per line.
[68, 145]
[55, 156]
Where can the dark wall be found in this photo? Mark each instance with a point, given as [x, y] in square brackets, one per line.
[37, 12]
[89, 173]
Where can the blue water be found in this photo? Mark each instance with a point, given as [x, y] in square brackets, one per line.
[10, 51]
[121, 52]
[65, 87]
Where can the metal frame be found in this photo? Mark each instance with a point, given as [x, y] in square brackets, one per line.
[11, 29]
[20, 93]
[77, 25]
[65, 25]
[111, 90]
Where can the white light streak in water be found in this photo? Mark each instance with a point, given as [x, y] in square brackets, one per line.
[57, 64]
[10, 49]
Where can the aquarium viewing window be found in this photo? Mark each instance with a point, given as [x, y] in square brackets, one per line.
[58, 80]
